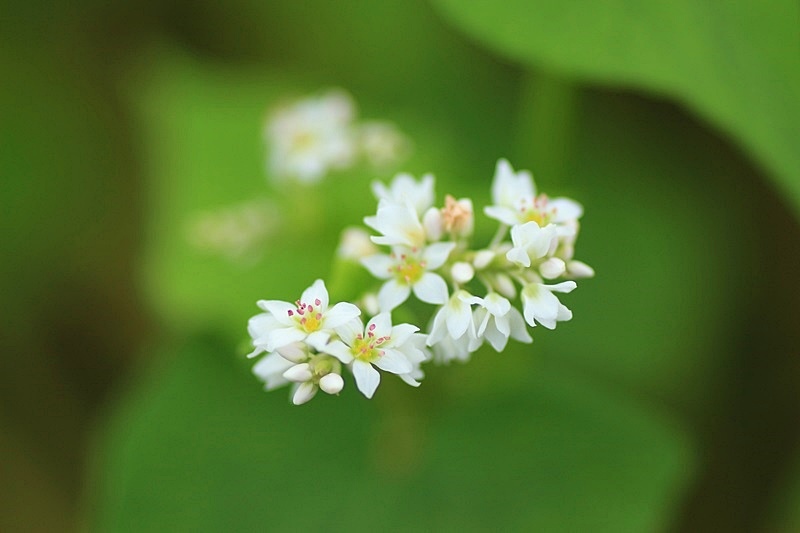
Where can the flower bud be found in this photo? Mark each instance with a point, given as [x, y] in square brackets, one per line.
[304, 393]
[579, 269]
[355, 244]
[505, 286]
[462, 272]
[299, 373]
[432, 222]
[552, 268]
[457, 217]
[483, 258]
[331, 383]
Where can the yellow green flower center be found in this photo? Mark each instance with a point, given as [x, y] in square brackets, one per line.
[308, 316]
[408, 270]
[367, 348]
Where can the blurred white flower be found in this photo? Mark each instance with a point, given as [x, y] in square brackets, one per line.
[237, 232]
[398, 224]
[404, 189]
[312, 136]
[382, 143]
[355, 244]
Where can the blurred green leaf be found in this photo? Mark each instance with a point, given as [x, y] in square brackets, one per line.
[202, 448]
[737, 64]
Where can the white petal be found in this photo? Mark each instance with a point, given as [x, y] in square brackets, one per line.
[339, 314]
[280, 310]
[278, 338]
[459, 317]
[552, 267]
[304, 393]
[367, 378]
[393, 361]
[519, 330]
[579, 269]
[519, 256]
[350, 329]
[564, 286]
[410, 380]
[317, 339]
[316, 295]
[339, 350]
[431, 289]
[503, 214]
[496, 338]
[379, 265]
[380, 325]
[392, 294]
[565, 209]
[439, 328]
[270, 369]
[401, 333]
[432, 222]
[436, 254]
[294, 352]
[496, 304]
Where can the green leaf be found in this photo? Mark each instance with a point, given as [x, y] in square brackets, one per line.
[200, 447]
[736, 64]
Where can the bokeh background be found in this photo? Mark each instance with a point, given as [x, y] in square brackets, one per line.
[670, 403]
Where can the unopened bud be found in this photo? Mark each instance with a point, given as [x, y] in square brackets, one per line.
[483, 258]
[432, 222]
[299, 373]
[304, 393]
[462, 272]
[552, 268]
[579, 269]
[293, 352]
[331, 383]
[505, 286]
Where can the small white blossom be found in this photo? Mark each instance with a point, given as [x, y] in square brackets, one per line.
[516, 202]
[541, 305]
[531, 242]
[454, 319]
[308, 319]
[462, 272]
[377, 344]
[404, 189]
[355, 243]
[311, 137]
[382, 143]
[497, 320]
[398, 224]
[407, 270]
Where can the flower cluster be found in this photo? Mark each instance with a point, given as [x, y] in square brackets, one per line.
[487, 294]
[309, 138]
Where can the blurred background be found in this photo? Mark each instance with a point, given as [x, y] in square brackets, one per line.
[670, 402]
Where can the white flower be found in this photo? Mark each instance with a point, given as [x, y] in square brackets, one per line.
[382, 143]
[450, 349]
[407, 269]
[308, 319]
[516, 202]
[453, 319]
[457, 216]
[237, 232]
[378, 344]
[398, 224]
[497, 319]
[311, 137]
[355, 243]
[404, 189]
[540, 304]
[417, 353]
[531, 242]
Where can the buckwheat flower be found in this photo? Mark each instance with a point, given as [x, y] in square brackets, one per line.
[407, 270]
[531, 242]
[449, 349]
[497, 320]
[457, 216]
[308, 319]
[541, 305]
[382, 143]
[398, 224]
[454, 319]
[355, 243]
[515, 200]
[404, 189]
[311, 137]
[377, 344]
